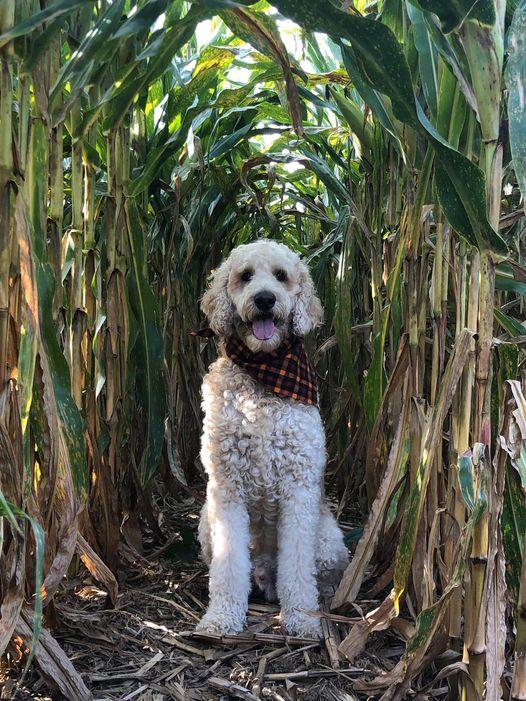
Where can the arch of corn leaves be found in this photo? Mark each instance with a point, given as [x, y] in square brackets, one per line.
[131, 160]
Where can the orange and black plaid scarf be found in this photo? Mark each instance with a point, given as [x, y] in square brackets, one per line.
[285, 371]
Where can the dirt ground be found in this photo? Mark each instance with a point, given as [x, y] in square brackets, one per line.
[144, 648]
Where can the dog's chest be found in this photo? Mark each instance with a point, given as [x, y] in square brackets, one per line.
[262, 442]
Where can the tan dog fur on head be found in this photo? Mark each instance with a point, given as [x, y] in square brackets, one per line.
[265, 516]
[262, 266]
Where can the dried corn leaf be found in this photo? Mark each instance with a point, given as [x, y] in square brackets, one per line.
[53, 661]
[355, 572]
[97, 568]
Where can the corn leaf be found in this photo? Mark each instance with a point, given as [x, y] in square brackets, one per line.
[91, 54]
[149, 347]
[427, 57]
[53, 11]
[261, 31]
[516, 82]
[70, 421]
[153, 61]
[453, 14]
[383, 65]
[13, 514]
[433, 430]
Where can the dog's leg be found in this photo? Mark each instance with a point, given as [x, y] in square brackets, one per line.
[297, 533]
[203, 534]
[332, 556]
[229, 583]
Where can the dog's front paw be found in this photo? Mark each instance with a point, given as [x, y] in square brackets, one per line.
[302, 625]
[220, 623]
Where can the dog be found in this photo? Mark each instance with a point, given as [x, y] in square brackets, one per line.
[263, 446]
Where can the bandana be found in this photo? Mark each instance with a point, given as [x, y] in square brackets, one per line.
[285, 371]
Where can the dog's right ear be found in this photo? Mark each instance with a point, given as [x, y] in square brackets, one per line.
[216, 304]
[308, 312]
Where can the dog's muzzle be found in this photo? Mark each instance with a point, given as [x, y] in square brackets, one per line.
[264, 326]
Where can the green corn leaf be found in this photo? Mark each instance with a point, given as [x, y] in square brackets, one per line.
[143, 19]
[375, 380]
[274, 113]
[13, 514]
[7, 510]
[513, 529]
[122, 94]
[516, 83]
[369, 95]
[465, 478]
[140, 72]
[504, 282]
[323, 171]
[383, 65]
[149, 347]
[41, 43]
[451, 108]
[230, 97]
[448, 52]
[427, 57]
[261, 32]
[39, 540]
[53, 11]
[228, 4]
[70, 421]
[91, 54]
[451, 203]
[354, 117]
[520, 465]
[211, 61]
[470, 187]
[453, 14]
[510, 325]
[226, 142]
[378, 54]
[151, 167]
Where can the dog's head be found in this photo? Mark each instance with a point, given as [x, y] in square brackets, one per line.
[263, 293]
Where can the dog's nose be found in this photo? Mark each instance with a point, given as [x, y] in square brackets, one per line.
[264, 301]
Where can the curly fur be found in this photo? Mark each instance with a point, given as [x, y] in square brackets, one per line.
[265, 516]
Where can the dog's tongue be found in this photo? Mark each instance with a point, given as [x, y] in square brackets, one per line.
[263, 329]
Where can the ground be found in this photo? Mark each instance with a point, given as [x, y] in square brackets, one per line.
[144, 647]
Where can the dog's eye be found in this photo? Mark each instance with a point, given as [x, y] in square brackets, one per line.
[280, 275]
[246, 276]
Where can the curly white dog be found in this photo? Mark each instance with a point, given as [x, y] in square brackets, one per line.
[264, 454]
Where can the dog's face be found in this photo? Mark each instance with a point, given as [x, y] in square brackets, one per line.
[263, 293]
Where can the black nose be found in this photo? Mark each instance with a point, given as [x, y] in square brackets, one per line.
[264, 301]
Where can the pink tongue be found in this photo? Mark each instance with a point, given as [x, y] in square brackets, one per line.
[263, 329]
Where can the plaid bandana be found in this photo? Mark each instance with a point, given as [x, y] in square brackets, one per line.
[285, 371]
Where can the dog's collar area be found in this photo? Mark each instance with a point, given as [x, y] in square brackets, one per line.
[285, 371]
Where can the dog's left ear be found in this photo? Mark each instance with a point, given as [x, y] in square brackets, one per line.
[216, 304]
[308, 312]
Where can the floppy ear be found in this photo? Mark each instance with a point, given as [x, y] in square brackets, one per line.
[216, 304]
[308, 312]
